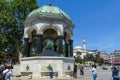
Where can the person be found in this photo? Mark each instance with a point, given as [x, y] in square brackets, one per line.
[75, 71]
[94, 72]
[0, 70]
[115, 73]
[111, 67]
[0, 67]
[118, 67]
[51, 71]
[9, 74]
[81, 69]
[4, 72]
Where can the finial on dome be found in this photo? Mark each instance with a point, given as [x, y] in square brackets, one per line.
[50, 3]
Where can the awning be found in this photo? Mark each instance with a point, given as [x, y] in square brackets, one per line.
[114, 62]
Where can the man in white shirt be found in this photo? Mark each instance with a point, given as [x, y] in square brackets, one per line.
[9, 74]
[4, 72]
[94, 72]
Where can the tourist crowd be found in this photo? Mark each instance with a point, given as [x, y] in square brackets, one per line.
[5, 72]
[76, 67]
[81, 68]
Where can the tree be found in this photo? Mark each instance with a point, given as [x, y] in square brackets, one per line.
[77, 58]
[2, 58]
[5, 21]
[79, 53]
[101, 61]
[12, 16]
[88, 57]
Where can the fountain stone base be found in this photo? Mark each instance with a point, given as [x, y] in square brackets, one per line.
[38, 65]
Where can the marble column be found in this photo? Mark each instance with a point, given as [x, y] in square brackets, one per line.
[60, 50]
[71, 47]
[66, 49]
[29, 47]
[55, 48]
[26, 47]
[39, 44]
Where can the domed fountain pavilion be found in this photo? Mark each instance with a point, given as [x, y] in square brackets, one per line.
[48, 40]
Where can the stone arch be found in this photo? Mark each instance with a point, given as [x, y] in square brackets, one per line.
[50, 33]
[35, 28]
[46, 26]
[28, 31]
[68, 35]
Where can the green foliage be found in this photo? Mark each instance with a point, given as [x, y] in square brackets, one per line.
[2, 58]
[79, 53]
[89, 57]
[101, 61]
[12, 16]
[78, 59]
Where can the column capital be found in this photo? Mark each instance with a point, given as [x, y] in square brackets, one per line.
[39, 35]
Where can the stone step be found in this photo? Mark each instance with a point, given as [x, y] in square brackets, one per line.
[38, 78]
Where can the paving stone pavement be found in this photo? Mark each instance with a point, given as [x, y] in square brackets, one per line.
[102, 75]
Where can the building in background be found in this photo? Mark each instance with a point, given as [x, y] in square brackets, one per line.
[102, 54]
[115, 57]
[80, 50]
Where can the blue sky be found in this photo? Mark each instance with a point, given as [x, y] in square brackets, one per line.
[97, 21]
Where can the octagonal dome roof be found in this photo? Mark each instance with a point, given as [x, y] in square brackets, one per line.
[49, 11]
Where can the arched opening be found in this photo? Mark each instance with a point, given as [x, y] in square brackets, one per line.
[48, 42]
[49, 33]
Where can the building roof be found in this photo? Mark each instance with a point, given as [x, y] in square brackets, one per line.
[78, 47]
[49, 11]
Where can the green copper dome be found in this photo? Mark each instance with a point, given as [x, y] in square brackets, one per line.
[49, 12]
